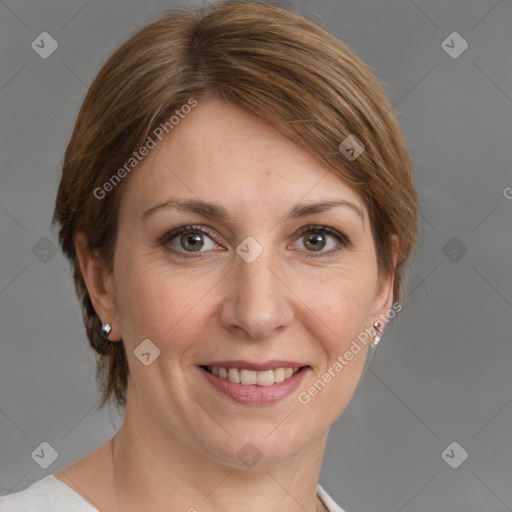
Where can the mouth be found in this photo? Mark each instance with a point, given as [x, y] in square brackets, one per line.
[251, 377]
[254, 384]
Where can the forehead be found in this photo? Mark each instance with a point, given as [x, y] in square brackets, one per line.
[220, 153]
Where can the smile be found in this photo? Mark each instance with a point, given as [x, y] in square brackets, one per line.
[252, 377]
[256, 387]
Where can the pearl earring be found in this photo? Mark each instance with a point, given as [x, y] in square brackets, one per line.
[106, 329]
[376, 336]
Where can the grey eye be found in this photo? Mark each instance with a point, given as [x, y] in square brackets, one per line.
[192, 241]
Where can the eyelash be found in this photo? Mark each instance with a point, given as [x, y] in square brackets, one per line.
[312, 228]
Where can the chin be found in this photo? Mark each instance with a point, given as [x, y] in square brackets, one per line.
[257, 450]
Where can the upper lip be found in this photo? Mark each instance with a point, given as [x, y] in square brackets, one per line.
[255, 366]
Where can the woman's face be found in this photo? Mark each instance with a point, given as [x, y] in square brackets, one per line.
[253, 287]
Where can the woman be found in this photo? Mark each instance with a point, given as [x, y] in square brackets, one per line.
[238, 204]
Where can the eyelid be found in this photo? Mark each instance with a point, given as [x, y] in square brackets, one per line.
[173, 233]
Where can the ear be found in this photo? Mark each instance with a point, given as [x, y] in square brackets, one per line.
[384, 294]
[99, 284]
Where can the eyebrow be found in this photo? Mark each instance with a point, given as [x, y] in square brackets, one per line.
[212, 210]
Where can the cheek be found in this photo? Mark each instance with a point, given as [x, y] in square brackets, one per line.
[161, 304]
[143, 299]
[342, 311]
[342, 301]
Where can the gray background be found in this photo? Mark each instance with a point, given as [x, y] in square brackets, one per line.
[442, 371]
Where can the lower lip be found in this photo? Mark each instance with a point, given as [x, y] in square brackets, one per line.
[253, 394]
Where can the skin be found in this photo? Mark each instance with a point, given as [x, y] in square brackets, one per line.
[180, 437]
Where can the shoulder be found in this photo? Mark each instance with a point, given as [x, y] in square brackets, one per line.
[330, 504]
[48, 493]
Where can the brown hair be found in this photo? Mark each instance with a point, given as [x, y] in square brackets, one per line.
[275, 64]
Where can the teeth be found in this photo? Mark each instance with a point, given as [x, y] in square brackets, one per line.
[251, 377]
[234, 375]
[248, 377]
[279, 375]
[265, 378]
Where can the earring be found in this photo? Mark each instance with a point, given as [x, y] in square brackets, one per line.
[106, 329]
[376, 336]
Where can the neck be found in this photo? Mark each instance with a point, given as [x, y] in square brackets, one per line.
[154, 470]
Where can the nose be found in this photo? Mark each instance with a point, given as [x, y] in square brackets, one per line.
[258, 302]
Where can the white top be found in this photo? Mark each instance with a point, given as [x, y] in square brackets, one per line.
[50, 494]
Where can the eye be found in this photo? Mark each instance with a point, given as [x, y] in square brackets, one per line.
[314, 239]
[189, 239]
